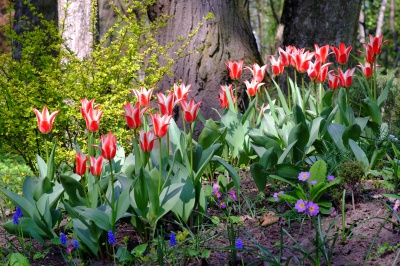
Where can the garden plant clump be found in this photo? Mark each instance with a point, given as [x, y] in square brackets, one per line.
[141, 190]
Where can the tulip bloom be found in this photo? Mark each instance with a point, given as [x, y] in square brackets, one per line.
[143, 96]
[166, 104]
[252, 87]
[87, 105]
[373, 47]
[133, 115]
[223, 97]
[80, 163]
[302, 60]
[108, 146]
[96, 165]
[285, 57]
[181, 92]
[342, 53]
[235, 69]
[45, 120]
[258, 72]
[191, 110]
[276, 65]
[333, 80]
[367, 69]
[346, 78]
[321, 53]
[160, 124]
[146, 140]
[318, 72]
[92, 117]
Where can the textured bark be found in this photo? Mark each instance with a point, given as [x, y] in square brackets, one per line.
[228, 36]
[319, 21]
[25, 19]
[76, 25]
[381, 18]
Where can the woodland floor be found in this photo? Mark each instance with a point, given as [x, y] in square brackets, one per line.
[369, 203]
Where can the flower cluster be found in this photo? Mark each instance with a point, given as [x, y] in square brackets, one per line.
[172, 240]
[71, 244]
[111, 237]
[231, 195]
[311, 208]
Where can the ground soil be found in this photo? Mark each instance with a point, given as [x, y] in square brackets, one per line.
[369, 204]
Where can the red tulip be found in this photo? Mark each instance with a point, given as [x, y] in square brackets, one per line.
[346, 78]
[133, 115]
[292, 51]
[285, 57]
[166, 104]
[45, 120]
[181, 92]
[108, 146]
[80, 163]
[191, 110]
[143, 96]
[252, 87]
[375, 44]
[86, 106]
[302, 60]
[321, 53]
[235, 69]
[276, 65]
[92, 117]
[96, 165]
[342, 53]
[223, 97]
[317, 72]
[257, 71]
[146, 140]
[367, 69]
[160, 124]
[333, 80]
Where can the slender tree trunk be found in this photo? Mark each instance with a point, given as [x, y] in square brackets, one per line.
[76, 25]
[394, 32]
[381, 18]
[227, 36]
[361, 25]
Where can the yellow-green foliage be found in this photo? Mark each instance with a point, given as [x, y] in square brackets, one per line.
[49, 75]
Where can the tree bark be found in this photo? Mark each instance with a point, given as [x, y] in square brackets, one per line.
[381, 18]
[76, 25]
[322, 22]
[227, 36]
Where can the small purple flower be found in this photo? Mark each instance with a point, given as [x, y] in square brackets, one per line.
[303, 176]
[75, 244]
[239, 243]
[330, 178]
[312, 183]
[232, 194]
[300, 205]
[216, 192]
[396, 205]
[17, 215]
[221, 204]
[276, 195]
[111, 237]
[312, 209]
[63, 239]
[334, 212]
[172, 239]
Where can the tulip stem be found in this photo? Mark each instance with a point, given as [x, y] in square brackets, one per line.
[160, 167]
[191, 152]
[288, 90]
[91, 150]
[136, 148]
[112, 197]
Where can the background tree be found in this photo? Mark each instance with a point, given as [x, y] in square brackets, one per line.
[227, 36]
[304, 23]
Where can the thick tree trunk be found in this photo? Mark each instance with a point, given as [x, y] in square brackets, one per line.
[228, 36]
[76, 25]
[319, 21]
[25, 19]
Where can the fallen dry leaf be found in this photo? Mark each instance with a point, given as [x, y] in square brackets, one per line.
[269, 218]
